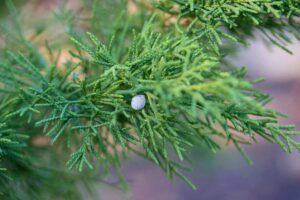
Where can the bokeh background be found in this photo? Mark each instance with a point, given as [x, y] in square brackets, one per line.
[274, 175]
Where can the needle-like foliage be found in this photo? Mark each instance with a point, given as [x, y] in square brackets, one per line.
[216, 21]
[84, 104]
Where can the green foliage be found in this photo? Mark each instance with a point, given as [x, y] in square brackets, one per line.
[11, 142]
[214, 21]
[25, 170]
[83, 105]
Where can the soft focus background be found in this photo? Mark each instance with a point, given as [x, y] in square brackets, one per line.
[274, 175]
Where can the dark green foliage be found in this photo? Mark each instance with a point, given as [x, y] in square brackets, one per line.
[83, 105]
[28, 171]
[214, 21]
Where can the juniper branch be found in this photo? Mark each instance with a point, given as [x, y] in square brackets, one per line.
[190, 98]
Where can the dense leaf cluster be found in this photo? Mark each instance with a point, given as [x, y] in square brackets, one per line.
[216, 21]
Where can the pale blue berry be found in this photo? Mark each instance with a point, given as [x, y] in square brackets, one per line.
[138, 102]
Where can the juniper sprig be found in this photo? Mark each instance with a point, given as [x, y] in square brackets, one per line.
[88, 107]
